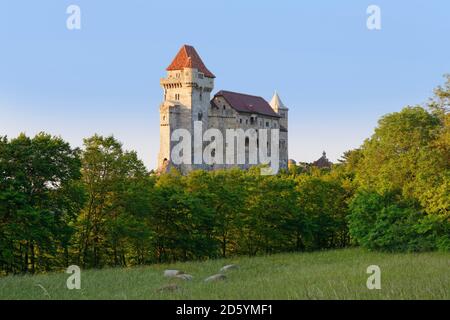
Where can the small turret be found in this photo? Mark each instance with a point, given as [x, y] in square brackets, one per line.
[276, 103]
[279, 107]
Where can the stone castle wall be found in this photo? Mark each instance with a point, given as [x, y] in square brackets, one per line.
[187, 98]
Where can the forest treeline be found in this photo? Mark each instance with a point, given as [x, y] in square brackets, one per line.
[99, 206]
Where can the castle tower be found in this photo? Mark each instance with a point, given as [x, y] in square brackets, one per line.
[278, 106]
[187, 94]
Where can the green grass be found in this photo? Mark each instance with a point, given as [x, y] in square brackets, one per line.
[338, 274]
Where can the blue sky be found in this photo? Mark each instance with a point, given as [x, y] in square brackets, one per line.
[336, 76]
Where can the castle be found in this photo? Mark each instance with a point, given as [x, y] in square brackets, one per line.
[187, 103]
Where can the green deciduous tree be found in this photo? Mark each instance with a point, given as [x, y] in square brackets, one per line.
[409, 155]
[117, 199]
[39, 198]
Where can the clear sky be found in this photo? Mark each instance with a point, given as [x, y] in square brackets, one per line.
[336, 76]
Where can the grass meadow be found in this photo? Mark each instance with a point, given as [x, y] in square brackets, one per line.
[337, 274]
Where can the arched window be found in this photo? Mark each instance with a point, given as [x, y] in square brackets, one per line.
[200, 116]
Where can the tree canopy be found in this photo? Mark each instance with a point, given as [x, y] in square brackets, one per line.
[99, 206]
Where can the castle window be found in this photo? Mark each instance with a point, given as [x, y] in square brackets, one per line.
[200, 75]
[247, 142]
[177, 96]
[200, 116]
[252, 120]
[224, 107]
[267, 124]
[246, 121]
[201, 96]
[240, 120]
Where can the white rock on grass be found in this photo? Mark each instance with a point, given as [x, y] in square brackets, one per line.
[172, 273]
[216, 277]
[184, 276]
[229, 267]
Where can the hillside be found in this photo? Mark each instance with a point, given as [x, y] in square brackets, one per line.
[338, 274]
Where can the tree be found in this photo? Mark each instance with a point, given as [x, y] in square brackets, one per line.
[267, 214]
[391, 156]
[39, 197]
[409, 155]
[440, 103]
[228, 201]
[387, 222]
[113, 180]
[323, 202]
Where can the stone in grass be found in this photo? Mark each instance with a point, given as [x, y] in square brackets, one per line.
[184, 276]
[172, 273]
[169, 288]
[229, 267]
[216, 277]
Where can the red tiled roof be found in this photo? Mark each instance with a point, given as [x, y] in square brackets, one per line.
[247, 103]
[187, 57]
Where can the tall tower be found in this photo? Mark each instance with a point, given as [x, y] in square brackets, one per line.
[187, 94]
[278, 106]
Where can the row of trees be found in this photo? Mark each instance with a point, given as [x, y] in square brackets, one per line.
[100, 207]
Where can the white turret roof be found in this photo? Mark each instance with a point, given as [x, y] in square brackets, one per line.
[276, 102]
